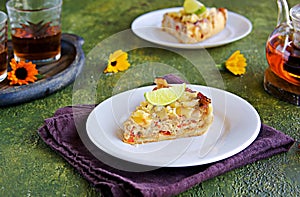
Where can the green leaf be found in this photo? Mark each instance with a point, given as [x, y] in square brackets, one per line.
[221, 66]
[39, 76]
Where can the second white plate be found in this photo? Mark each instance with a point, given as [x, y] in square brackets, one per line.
[236, 125]
[148, 27]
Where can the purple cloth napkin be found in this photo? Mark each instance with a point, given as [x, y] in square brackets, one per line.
[60, 132]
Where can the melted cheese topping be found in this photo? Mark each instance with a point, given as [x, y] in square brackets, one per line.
[187, 105]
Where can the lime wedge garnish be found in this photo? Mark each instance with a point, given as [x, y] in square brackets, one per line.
[165, 96]
[192, 6]
[201, 10]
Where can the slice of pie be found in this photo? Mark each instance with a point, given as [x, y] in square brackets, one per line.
[195, 27]
[190, 115]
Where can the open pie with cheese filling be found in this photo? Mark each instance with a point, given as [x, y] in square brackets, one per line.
[193, 28]
[190, 115]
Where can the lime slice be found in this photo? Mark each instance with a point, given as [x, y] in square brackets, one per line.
[201, 10]
[165, 96]
[192, 6]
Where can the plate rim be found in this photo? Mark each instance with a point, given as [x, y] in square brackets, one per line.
[199, 45]
[231, 153]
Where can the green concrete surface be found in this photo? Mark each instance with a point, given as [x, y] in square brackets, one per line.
[28, 167]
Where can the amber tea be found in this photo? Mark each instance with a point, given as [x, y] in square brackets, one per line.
[284, 59]
[3, 59]
[39, 45]
[3, 46]
[35, 30]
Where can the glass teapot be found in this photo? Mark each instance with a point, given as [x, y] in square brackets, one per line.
[282, 78]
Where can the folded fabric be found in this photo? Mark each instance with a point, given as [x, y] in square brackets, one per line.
[60, 132]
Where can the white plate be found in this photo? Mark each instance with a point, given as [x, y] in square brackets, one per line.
[236, 125]
[148, 27]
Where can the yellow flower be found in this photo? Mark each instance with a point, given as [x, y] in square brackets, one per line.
[22, 72]
[117, 62]
[236, 63]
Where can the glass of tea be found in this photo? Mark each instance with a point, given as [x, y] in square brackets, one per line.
[35, 29]
[3, 46]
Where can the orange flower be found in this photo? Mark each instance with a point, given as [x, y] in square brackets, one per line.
[236, 63]
[117, 62]
[22, 72]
